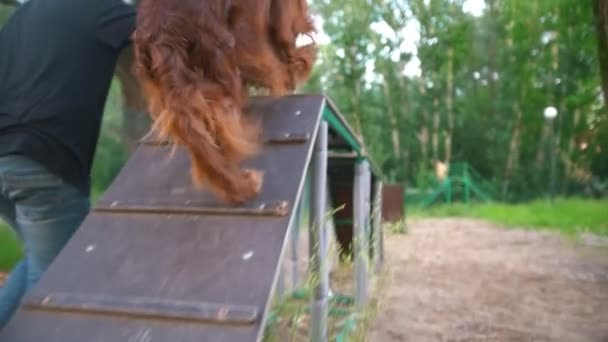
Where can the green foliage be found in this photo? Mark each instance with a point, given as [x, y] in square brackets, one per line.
[505, 67]
[5, 13]
[483, 84]
[10, 249]
[111, 154]
[568, 216]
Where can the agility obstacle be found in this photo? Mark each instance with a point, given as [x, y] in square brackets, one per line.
[157, 260]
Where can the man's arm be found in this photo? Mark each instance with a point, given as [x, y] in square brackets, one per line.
[117, 24]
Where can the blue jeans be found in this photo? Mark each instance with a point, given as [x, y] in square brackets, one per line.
[44, 212]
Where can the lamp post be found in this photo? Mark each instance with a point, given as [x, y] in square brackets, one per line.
[550, 114]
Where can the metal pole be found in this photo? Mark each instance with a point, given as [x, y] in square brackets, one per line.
[467, 184]
[551, 160]
[330, 228]
[311, 216]
[319, 305]
[368, 213]
[281, 282]
[359, 228]
[295, 241]
[378, 236]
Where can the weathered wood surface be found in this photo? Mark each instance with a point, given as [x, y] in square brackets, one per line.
[217, 259]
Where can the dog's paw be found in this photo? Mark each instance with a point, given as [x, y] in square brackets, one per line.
[255, 178]
[249, 186]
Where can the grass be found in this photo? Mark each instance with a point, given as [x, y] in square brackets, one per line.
[291, 321]
[568, 216]
[10, 250]
[345, 323]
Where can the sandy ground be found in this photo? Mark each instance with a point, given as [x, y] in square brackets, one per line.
[464, 280]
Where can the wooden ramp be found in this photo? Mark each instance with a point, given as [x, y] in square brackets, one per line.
[158, 261]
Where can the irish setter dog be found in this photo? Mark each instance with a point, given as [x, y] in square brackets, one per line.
[196, 61]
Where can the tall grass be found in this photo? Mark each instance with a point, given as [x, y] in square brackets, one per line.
[568, 216]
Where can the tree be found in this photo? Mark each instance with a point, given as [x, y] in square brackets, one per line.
[600, 10]
[478, 98]
[483, 85]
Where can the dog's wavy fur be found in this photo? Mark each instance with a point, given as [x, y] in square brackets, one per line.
[196, 61]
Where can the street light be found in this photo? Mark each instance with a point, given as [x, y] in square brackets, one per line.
[550, 114]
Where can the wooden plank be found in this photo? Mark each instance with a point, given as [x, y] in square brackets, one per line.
[155, 173]
[287, 114]
[143, 307]
[38, 326]
[280, 208]
[180, 257]
[270, 138]
[154, 177]
[185, 258]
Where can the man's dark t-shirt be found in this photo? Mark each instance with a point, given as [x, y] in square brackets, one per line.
[57, 59]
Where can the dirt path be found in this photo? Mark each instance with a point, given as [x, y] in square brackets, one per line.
[463, 280]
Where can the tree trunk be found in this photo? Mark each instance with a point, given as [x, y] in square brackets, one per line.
[492, 59]
[514, 144]
[401, 116]
[423, 135]
[572, 142]
[600, 10]
[356, 101]
[435, 137]
[568, 156]
[513, 150]
[396, 140]
[449, 105]
[541, 151]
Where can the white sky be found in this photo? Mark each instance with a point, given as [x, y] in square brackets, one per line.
[411, 33]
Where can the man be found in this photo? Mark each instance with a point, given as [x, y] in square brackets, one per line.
[57, 59]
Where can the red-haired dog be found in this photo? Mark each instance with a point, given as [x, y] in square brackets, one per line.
[196, 59]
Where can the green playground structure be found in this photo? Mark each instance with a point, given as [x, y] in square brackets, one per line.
[462, 184]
